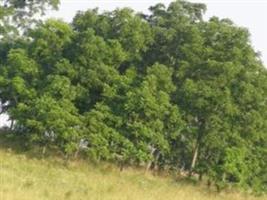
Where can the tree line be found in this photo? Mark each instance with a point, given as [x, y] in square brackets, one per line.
[165, 90]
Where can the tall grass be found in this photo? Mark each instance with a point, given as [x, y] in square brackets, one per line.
[27, 177]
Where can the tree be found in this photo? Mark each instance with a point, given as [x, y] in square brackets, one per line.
[167, 90]
[208, 59]
[122, 26]
[21, 13]
[129, 122]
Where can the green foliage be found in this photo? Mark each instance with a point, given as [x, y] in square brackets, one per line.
[17, 15]
[166, 90]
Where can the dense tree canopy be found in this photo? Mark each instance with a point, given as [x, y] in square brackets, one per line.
[166, 90]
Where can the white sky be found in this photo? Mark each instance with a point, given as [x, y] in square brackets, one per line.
[247, 13]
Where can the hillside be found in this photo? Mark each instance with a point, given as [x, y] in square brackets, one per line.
[24, 176]
[168, 89]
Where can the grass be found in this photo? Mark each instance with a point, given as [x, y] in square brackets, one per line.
[27, 177]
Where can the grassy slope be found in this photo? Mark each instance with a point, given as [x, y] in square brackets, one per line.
[29, 178]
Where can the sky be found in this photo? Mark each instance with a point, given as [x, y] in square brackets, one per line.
[251, 14]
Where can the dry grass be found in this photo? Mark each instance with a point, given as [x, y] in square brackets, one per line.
[24, 178]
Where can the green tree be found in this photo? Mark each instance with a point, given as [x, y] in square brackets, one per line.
[15, 14]
[167, 90]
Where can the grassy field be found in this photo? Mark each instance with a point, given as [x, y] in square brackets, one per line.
[24, 177]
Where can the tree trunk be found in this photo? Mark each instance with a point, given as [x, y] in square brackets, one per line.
[121, 166]
[148, 166]
[209, 183]
[44, 150]
[156, 162]
[76, 153]
[195, 156]
[12, 124]
[197, 146]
